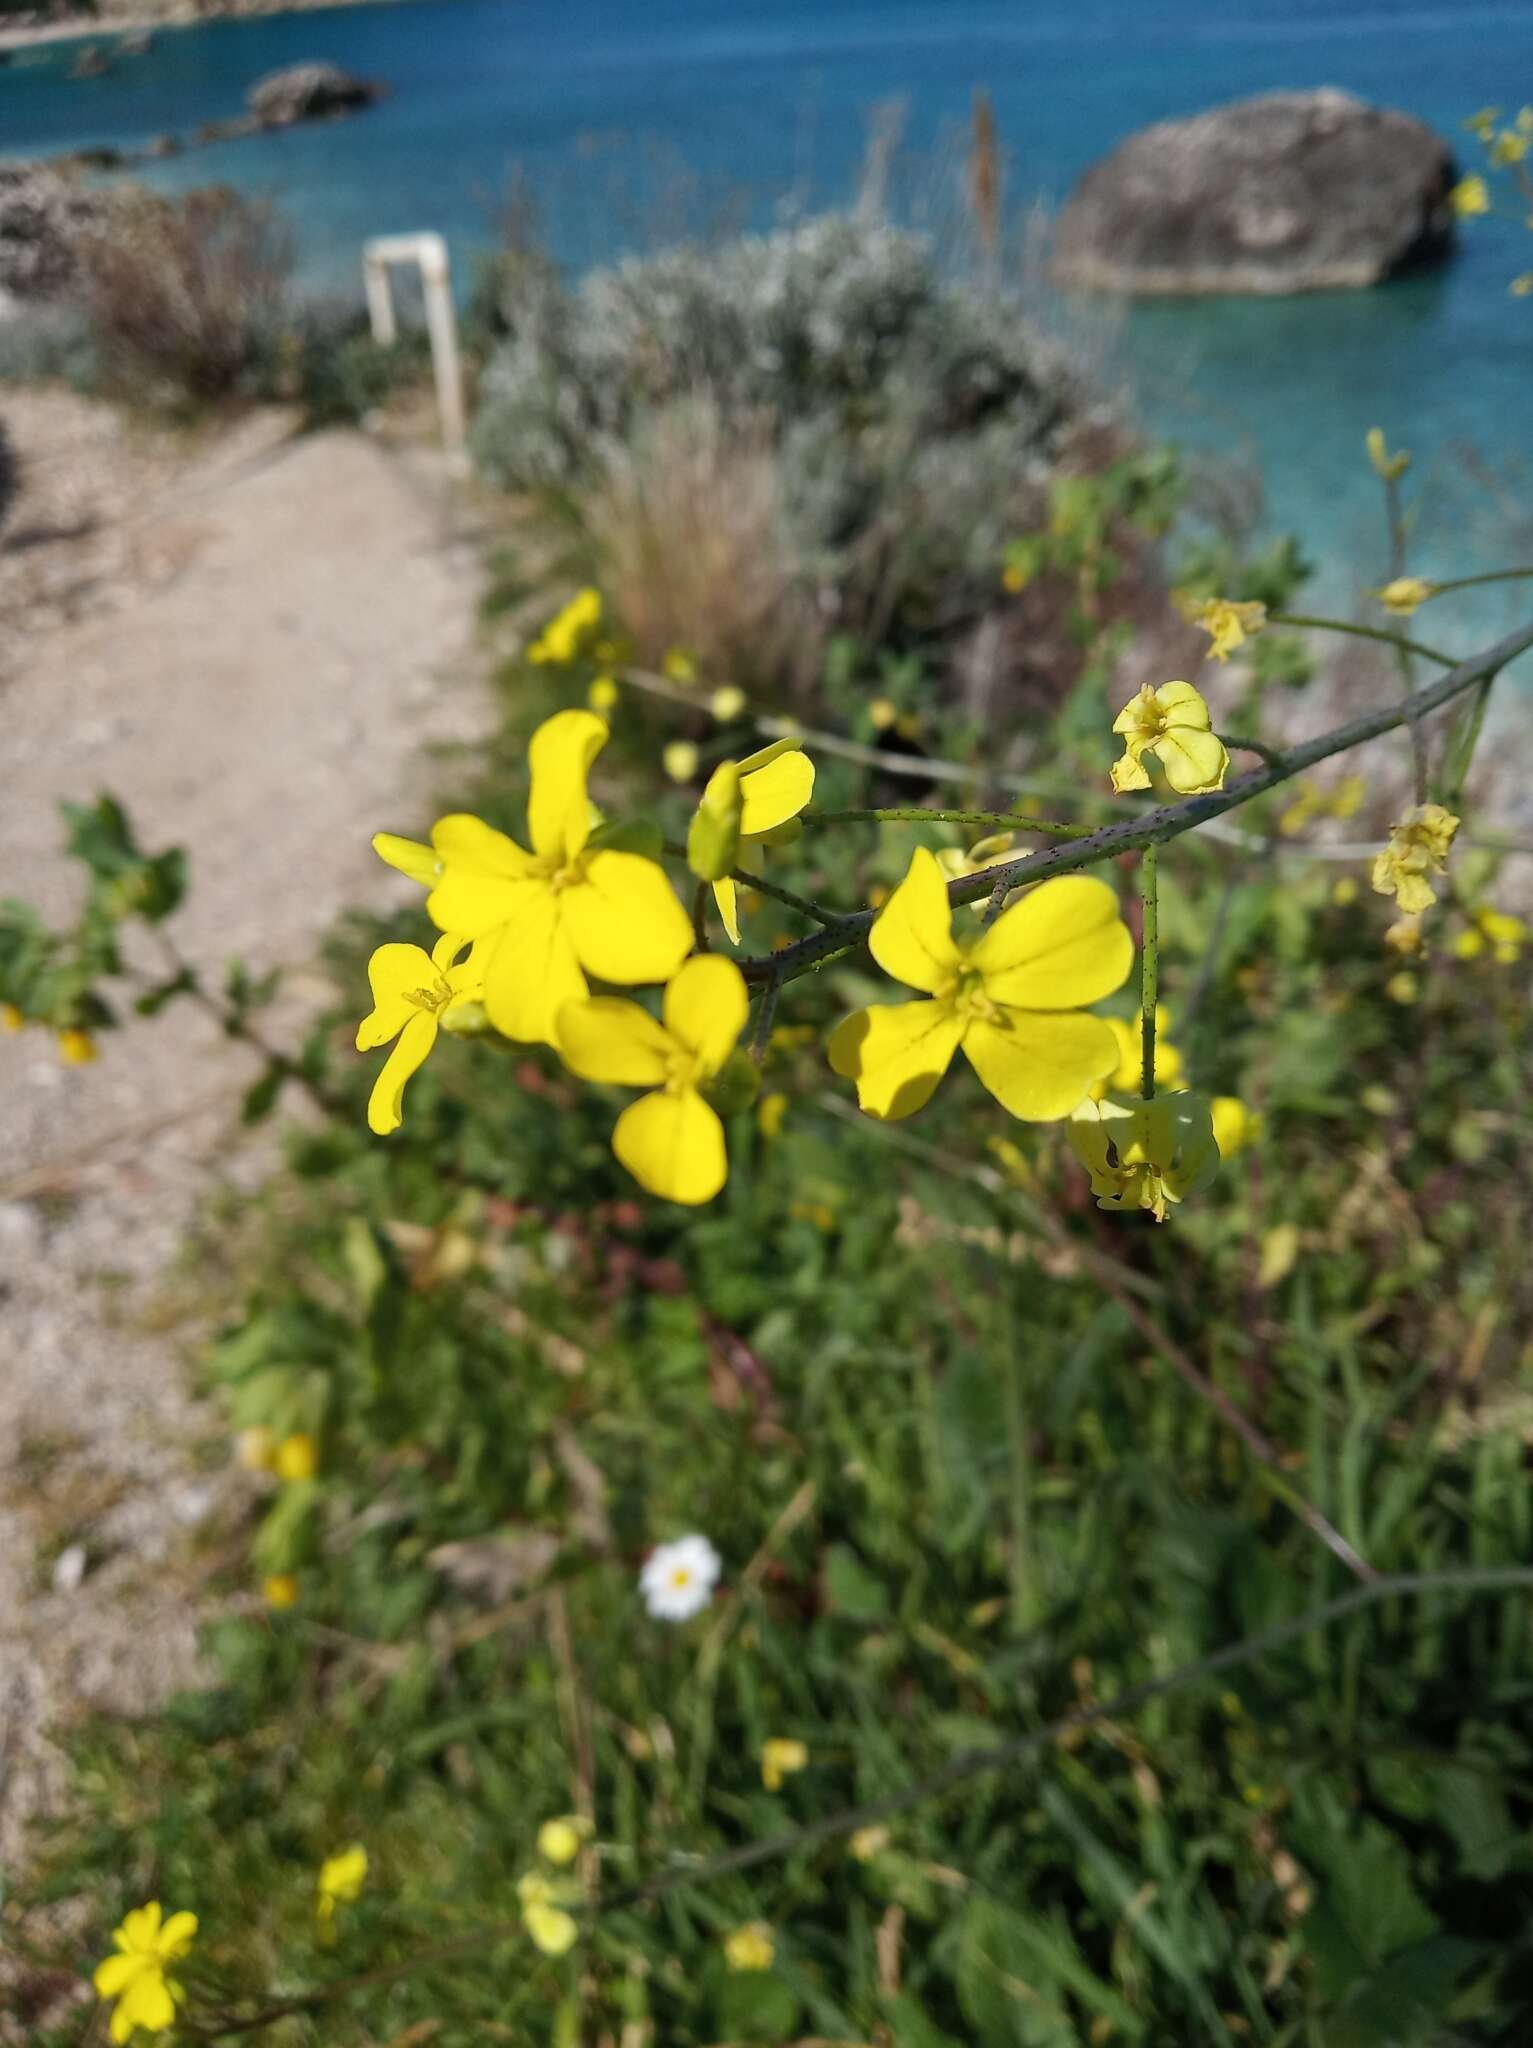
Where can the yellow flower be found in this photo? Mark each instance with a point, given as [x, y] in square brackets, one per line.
[956, 862]
[776, 783]
[1145, 1155]
[11, 1018]
[413, 992]
[727, 702]
[1390, 467]
[680, 760]
[1010, 999]
[1470, 196]
[1510, 147]
[566, 635]
[1124, 1079]
[340, 1881]
[280, 1589]
[1312, 802]
[713, 838]
[867, 1843]
[550, 917]
[1403, 595]
[77, 1048]
[1173, 724]
[882, 714]
[1402, 987]
[559, 1840]
[1014, 577]
[671, 1141]
[1483, 123]
[751, 1947]
[135, 1976]
[1418, 847]
[1504, 934]
[1521, 287]
[543, 1901]
[1404, 935]
[1344, 891]
[679, 665]
[603, 695]
[780, 1757]
[770, 1112]
[1228, 623]
[296, 1457]
[1235, 1126]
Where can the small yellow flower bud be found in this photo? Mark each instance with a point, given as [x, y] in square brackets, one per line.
[1470, 196]
[867, 1843]
[1227, 623]
[255, 1449]
[1521, 287]
[882, 714]
[727, 702]
[751, 1947]
[1404, 594]
[559, 1840]
[1279, 1252]
[11, 1018]
[296, 1457]
[1402, 987]
[780, 1757]
[770, 1112]
[679, 666]
[280, 1589]
[1235, 1126]
[552, 1929]
[1388, 466]
[680, 760]
[340, 1880]
[713, 839]
[603, 695]
[1344, 891]
[77, 1048]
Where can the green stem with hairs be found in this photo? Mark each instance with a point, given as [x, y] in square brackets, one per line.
[1357, 632]
[1149, 970]
[917, 814]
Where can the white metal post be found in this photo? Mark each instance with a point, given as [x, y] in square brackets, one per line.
[429, 251]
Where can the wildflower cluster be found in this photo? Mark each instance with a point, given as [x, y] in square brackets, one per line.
[1507, 145]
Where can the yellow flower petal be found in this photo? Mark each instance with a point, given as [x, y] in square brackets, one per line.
[553, 1931]
[394, 973]
[625, 919]
[1194, 760]
[533, 971]
[1063, 945]
[673, 1144]
[612, 1040]
[111, 1976]
[912, 936]
[385, 1106]
[705, 1006]
[727, 896]
[776, 792]
[1039, 1066]
[1127, 773]
[121, 2025]
[177, 1935]
[421, 863]
[147, 2003]
[140, 1929]
[559, 757]
[484, 877]
[896, 1053]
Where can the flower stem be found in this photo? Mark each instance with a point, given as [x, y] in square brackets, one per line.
[1360, 633]
[1149, 969]
[1019, 1459]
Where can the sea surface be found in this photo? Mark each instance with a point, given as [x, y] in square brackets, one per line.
[629, 121]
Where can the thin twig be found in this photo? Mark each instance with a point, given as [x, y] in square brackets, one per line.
[1166, 822]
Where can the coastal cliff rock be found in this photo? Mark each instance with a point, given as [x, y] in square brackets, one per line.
[1286, 192]
[308, 92]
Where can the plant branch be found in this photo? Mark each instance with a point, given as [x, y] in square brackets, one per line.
[918, 814]
[1168, 821]
[1358, 632]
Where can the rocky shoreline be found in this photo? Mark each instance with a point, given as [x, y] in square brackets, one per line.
[113, 19]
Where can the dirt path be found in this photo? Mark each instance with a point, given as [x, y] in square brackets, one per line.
[249, 645]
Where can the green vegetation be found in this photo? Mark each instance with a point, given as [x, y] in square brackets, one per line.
[963, 1441]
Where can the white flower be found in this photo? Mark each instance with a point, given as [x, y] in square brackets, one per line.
[678, 1579]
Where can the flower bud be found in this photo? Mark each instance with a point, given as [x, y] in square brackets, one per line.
[713, 841]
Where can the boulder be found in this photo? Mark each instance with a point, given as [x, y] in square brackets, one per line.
[1286, 192]
[43, 213]
[308, 92]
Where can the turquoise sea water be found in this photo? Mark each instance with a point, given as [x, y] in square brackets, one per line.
[628, 118]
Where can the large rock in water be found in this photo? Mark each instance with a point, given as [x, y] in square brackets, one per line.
[1287, 192]
[308, 92]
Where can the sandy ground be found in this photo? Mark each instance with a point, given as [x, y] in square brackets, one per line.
[250, 643]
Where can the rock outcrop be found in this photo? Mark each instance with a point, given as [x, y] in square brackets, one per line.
[43, 215]
[308, 92]
[1286, 192]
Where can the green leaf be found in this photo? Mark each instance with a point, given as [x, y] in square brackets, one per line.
[260, 1100]
[854, 1593]
[154, 1000]
[753, 2005]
